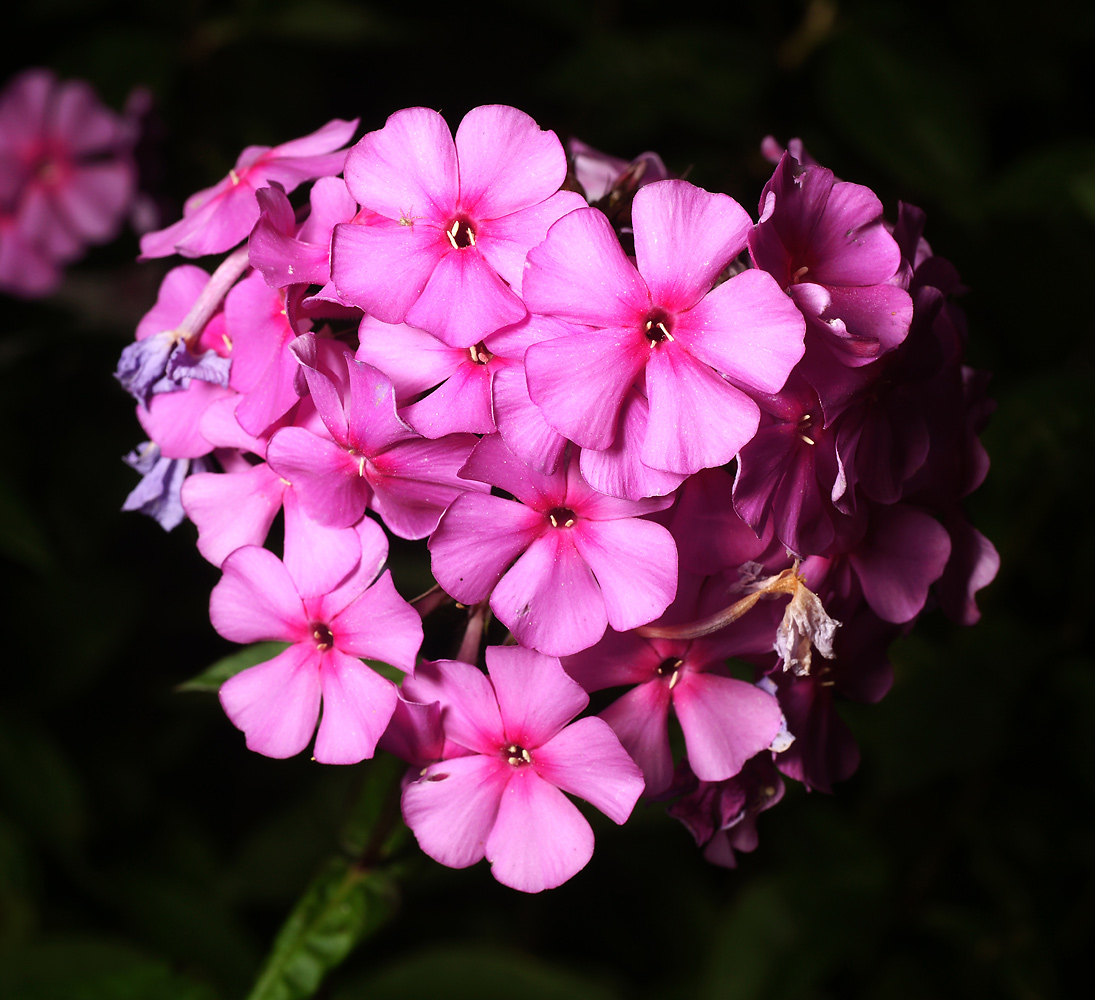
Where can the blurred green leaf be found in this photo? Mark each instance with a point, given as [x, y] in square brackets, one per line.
[473, 972]
[94, 969]
[342, 906]
[214, 676]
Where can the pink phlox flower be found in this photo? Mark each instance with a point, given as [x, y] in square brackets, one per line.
[693, 351]
[722, 815]
[453, 219]
[725, 721]
[561, 561]
[218, 218]
[503, 799]
[440, 389]
[287, 252]
[369, 457]
[277, 703]
[67, 177]
[825, 243]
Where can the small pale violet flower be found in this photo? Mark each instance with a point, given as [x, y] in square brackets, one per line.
[502, 797]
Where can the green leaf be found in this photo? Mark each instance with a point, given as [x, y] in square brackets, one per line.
[214, 676]
[342, 906]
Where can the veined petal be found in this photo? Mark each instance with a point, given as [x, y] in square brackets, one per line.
[549, 599]
[587, 760]
[539, 838]
[507, 162]
[697, 419]
[255, 599]
[410, 165]
[357, 707]
[452, 808]
[684, 237]
[535, 695]
[635, 563]
[725, 722]
[276, 703]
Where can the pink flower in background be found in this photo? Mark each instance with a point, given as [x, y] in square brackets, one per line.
[67, 177]
[217, 218]
[502, 798]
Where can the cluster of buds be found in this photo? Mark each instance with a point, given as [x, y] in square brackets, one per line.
[711, 463]
[67, 177]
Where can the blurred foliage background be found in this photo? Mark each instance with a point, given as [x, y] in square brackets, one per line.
[145, 853]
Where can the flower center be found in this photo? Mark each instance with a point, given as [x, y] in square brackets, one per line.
[322, 636]
[657, 328]
[562, 517]
[479, 354]
[460, 234]
[670, 667]
[805, 428]
[517, 756]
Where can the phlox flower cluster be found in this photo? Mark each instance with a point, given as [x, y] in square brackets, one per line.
[67, 177]
[708, 463]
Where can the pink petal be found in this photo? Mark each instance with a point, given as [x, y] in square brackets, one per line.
[580, 381]
[173, 419]
[635, 563]
[697, 419]
[535, 695]
[684, 237]
[539, 839]
[276, 703]
[256, 599]
[357, 706]
[326, 477]
[586, 760]
[521, 422]
[380, 625]
[506, 162]
[413, 359]
[316, 556]
[464, 300]
[453, 806]
[461, 404]
[640, 720]
[408, 166]
[746, 328]
[580, 273]
[725, 722]
[469, 706]
[476, 541]
[232, 510]
[549, 599]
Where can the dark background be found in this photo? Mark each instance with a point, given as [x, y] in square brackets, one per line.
[145, 852]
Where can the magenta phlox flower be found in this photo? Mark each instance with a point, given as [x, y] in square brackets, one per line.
[216, 219]
[287, 252]
[67, 176]
[560, 562]
[722, 815]
[371, 457]
[725, 721]
[789, 473]
[276, 703]
[824, 242]
[694, 352]
[503, 798]
[453, 219]
[173, 419]
[710, 535]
